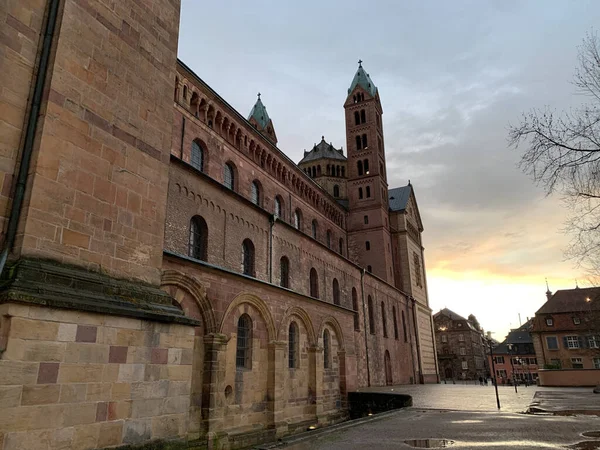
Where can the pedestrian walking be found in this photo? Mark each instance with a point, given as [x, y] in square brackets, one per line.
[481, 381]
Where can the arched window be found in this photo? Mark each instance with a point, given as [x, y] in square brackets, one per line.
[364, 141]
[176, 89]
[328, 238]
[229, 176]
[185, 92]
[383, 319]
[359, 166]
[248, 257]
[368, 245]
[358, 143]
[293, 346]
[395, 323]
[404, 328]
[284, 272]
[298, 219]
[314, 283]
[355, 308]
[194, 103]
[371, 318]
[319, 171]
[363, 116]
[366, 166]
[315, 229]
[368, 191]
[243, 355]
[314, 171]
[197, 156]
[198, 245]
[356, 118]
[336, 292]
[255, 193]
[337, 171]
[336, 191]
[360, 193]
[278, 208]
[326, 350]
[341, 246]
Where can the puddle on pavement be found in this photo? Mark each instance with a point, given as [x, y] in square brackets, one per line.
[467, 421]
[429, 443]
[586, 445]
[591, 434]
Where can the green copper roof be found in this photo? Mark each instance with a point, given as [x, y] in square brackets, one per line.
[259, 112]
[362, 79]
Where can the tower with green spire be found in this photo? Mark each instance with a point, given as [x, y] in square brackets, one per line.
[261, 121]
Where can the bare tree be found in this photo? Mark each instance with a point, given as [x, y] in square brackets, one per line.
[563, 155]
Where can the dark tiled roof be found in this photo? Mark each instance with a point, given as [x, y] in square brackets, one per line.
[323, 150]
[398, 197]
[362, 79]
[572, 300]
[259, 112]
[450, 314]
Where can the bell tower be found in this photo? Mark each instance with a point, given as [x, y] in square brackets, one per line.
[368, 222]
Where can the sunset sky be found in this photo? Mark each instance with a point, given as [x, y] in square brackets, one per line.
[451, 76]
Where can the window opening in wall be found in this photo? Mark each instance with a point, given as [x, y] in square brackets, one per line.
[593, 341]
[355, 309]
[326, 350]
[314, 283]
[395, 322]
[366, 220]
[596, 363]
[328, 239]
[368, 245]
[341, 246]
[465, 365]
[572, 342]
[243, 357]
[315, 229]
[185, 92]
[198, 244]
[359, 167]
[417, 263]
[293, 346]
[364, 141]
[336, 191]
[176, 89]
[404, 328]
[378, 121]
[379, 144]
[368, 189]
[371, 317]
[255, 193]
[356, 118]
[336, 292]
[366, 166]
[360, 193]
[248, 257]
[228, 176]
[363, 116]
[462, 351]
[577, 363]
[197, 157]
[284, 272]
[552, 342]
[278, 208]
[576, 321]
[358, 143]
[369, 269]
[383, 320]
[444, 339]
[549, 322]
[297, 220]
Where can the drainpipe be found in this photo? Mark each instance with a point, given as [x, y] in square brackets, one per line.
[362, 292]
[182, 136]
[272, 220]
[416, 324]
[32, 121]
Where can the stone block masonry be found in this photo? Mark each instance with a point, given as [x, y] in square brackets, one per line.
[81, 380]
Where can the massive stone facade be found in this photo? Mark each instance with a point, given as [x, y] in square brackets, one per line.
[174, 275]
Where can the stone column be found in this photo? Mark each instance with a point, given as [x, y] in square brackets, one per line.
[342, 375]
[315, 360]
[275, 386]
[213, 391]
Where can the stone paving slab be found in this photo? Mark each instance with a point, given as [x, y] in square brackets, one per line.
[566, 401]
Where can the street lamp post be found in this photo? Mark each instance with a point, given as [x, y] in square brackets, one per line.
[495, 381]
[512, 366]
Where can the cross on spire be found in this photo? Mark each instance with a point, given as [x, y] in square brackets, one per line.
[259, 95]
[360, 63]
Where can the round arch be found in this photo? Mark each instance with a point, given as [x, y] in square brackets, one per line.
[198, 293]
[332, 321]
[304, 317]
[259, 304]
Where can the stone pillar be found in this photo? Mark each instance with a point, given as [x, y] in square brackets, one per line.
[315, 360]
[342, 375]
[213, 392]
[275, 386]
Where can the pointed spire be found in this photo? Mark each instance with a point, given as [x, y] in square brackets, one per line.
[362, 79]
[261, 120]
[548, 291]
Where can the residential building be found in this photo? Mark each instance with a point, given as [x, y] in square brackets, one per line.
[170, 273]
[514, 358]
[461, 346]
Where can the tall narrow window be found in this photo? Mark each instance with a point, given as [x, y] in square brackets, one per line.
[368, 245]
[417, 261]
[328, 238]
[255, 192]
[383, 320]
[359, 166]
[326, 350]
[366, 166]
[356, 118]
[395, 323]
[185, 92]
[355, 308]
[364, 141]
[336, 191]
[363, 116]
[228, 176]
[368, 189]
[341, 246]
[248, 257]
[371, 318]
[314, 283]
[297, 220]
[369, 269]
[336, 292]
[315, 229]
[278, 208]
[293, 346]
[197, 157]
[404, 328]
[360, 193]
[284, 272]
[198, 238]
[243, 356]
[366, 220]
[358, 143]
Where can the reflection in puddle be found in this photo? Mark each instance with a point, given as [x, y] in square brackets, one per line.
[586, 445]
[467, 421]
[591, 434]
[429, 443]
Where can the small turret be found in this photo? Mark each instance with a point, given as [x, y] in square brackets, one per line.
[261, 121]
